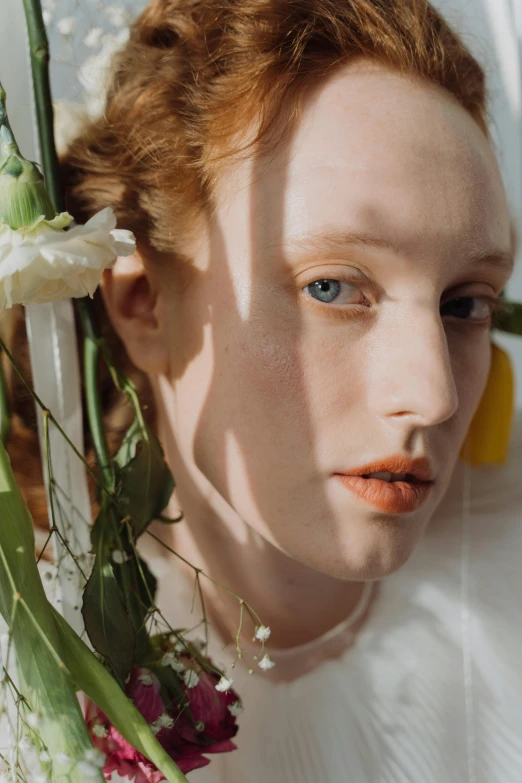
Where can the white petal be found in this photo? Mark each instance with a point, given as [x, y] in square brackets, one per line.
[125, 241]
[47, 264]
[266, 663]
[224, 684]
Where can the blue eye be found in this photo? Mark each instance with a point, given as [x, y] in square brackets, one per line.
[328, 289]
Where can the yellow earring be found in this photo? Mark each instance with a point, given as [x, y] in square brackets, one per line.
[488, 438]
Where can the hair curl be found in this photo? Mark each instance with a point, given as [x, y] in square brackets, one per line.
[194, 75]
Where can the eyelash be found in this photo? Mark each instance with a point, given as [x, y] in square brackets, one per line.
[496, 304]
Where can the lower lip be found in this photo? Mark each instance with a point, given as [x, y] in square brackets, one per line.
[392, 497]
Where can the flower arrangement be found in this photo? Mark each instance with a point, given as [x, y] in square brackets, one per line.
[155, 704]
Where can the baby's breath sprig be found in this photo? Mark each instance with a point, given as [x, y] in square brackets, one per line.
[262, 632]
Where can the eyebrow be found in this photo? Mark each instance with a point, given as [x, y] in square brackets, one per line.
[334, 241]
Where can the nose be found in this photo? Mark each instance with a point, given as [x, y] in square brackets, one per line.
[411, 372]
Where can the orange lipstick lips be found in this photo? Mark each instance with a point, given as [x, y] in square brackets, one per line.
[391, 497]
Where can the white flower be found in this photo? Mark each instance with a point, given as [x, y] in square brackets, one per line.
[100, 730]
[119, 556]
[41, 262]
[262, 633]
[44, 756]
[236, 708]
[163, 722]
[266, 663]
[177, 644]
[224, 684]
[62, 758]
[169, 659]
[146, 678]
[191, 678]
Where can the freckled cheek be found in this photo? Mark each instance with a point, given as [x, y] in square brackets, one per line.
[298, 377]
[470, 363]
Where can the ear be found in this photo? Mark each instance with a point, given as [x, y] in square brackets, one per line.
[135, 307]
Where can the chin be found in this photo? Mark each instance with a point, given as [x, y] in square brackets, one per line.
[369, 555]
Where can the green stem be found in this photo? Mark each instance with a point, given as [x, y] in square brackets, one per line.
[39, 51]
[5, 419]
[91, 361]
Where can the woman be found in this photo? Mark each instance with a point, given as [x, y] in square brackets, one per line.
[322, 233]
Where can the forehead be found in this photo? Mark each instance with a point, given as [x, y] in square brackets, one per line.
[377, 151]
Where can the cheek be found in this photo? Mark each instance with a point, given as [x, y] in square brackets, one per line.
[471, 359]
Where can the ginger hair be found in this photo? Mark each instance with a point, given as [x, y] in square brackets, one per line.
[193, 75]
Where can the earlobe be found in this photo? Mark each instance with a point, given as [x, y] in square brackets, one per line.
[133, 303]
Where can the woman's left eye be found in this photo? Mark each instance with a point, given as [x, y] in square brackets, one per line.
[328, 290]
[464, 307]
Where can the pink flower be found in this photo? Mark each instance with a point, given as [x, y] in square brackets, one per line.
[174, 731]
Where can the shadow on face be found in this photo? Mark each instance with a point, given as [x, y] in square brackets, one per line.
[337, 313]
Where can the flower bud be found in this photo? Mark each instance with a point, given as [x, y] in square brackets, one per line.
[23, 195]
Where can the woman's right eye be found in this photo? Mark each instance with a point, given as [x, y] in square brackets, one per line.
[328, 289]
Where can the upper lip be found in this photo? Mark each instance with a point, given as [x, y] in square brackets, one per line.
[420, 467]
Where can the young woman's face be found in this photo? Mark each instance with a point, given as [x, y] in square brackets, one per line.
[278, 381]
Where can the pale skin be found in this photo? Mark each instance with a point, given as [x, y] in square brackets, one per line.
[264, 391]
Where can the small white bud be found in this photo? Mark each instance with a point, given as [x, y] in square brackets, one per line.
[100, 730]
[236, 708]
[266, 663]
[191, 678]
[120, 557]
[262, 633]
[163, 722]
[224, 684]
[169, 659]
[146, 678]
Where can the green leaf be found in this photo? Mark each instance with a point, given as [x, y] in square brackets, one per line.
[509, 320]
[139, 587]
[104, 532]
[52, 658]
[44, 676]
[106, 618]
[144, 482]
